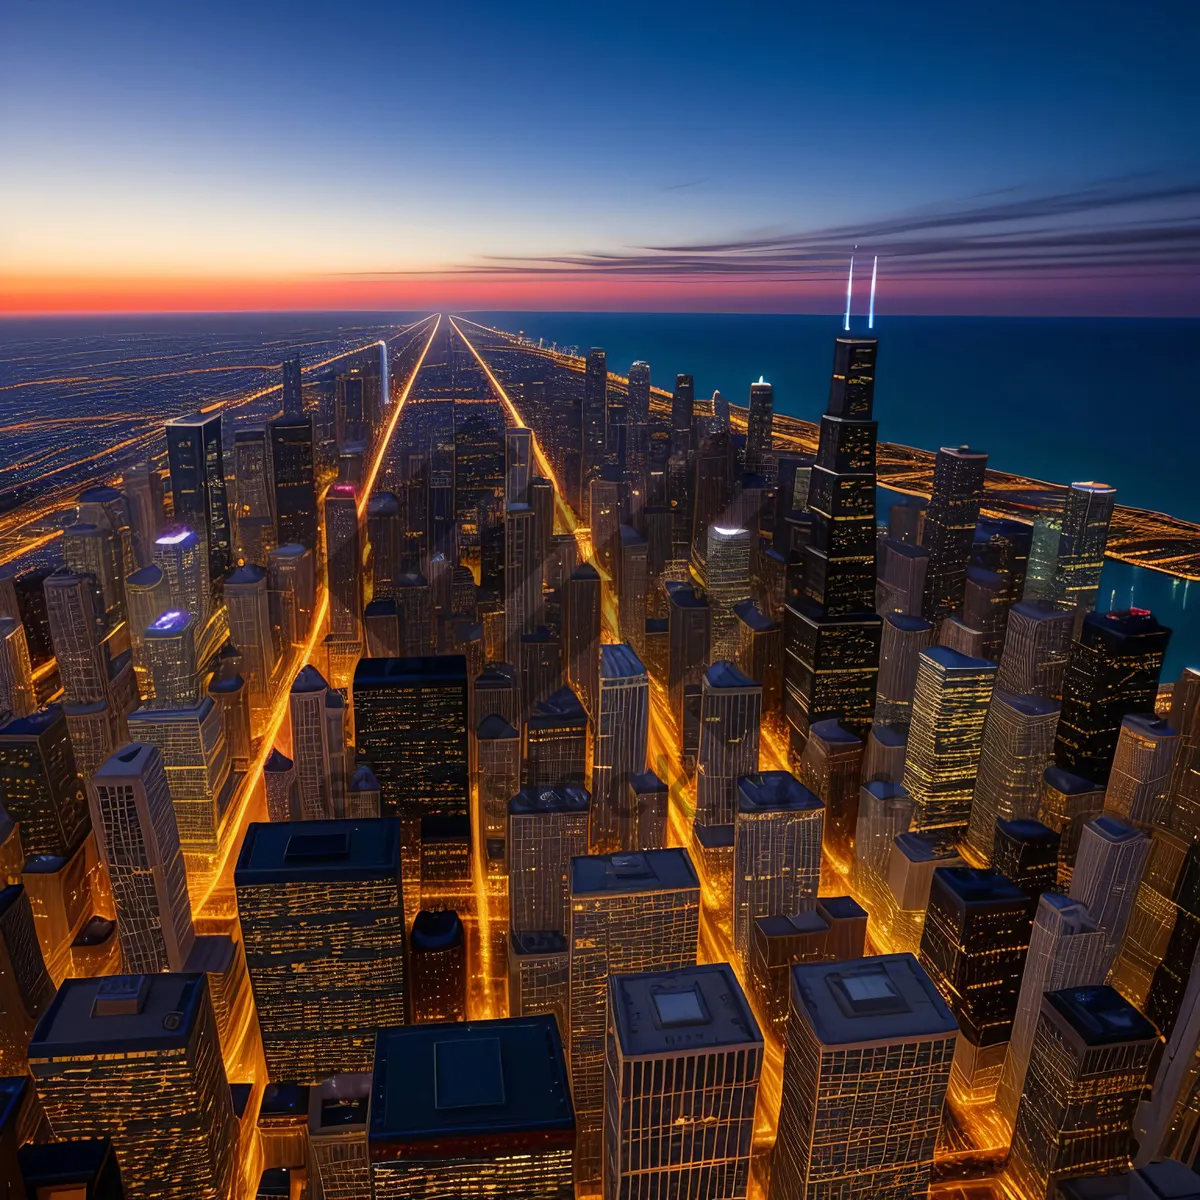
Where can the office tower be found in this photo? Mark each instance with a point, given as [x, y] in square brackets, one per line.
[350, 408]
[900, 587]
[1141, 772]
[1172, 975]
[884, 811]
[876, 1036]
[728, 583]
[1017, 747]
[292, 582]
[522, 582]
[538, 975]
[322, 915]
[198, 485]
[445, 852]
[337, 1135]
[902, 642]
[711, 490]
[540, 656]
[279, 783]
[77, 635]
[383, 637]
[595, 414]
[311, 748]
[228, 693]
[518, 464]
[648, 799]
[169, 654]
[362, 794]
[497, 773]
[480, 1108]
[497, 689]
[679, 481]
[689, 635]
[682, 406]
[29, 587]
[1108, 869]
[631, 604]
[759, 441]
[629, 912]
[139, 841]
[1112, 672]
[1068, 802]
[555, 744]
[343, 546]
[146, 595]
[179, 554]
[683, 1063]
[777, 850]
[438, 967]
[547, 827]
[252, 477]
[1087, 1073]
[385, 533]
[143, 490]
[731, 721]
[832, 632]
[616, 429]
[950, 702]
[416, 613]
[26, 990]
[1036, 645]
[637, 414]
[760, 654]
[191, 740]
[1026, 852]
[958, 483]
[16, 670]
[1066, 950]
[1067, 553]
[41, 786]
[883, 758]
[973, 945]
[93, 553]
[293, 481]
[253, 632]
[608, 508]
[135, 1058]
[619, 751]
[293, 386]
[410, 717]
[831, 767]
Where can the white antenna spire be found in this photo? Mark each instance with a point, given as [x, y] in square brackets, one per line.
[871, 313]
[849, 289]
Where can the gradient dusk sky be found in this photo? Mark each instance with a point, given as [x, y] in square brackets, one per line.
[1018, 158]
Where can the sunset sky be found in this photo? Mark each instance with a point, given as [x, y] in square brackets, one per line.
[1019, 158]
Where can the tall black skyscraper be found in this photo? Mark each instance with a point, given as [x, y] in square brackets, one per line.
[958, 476]
[595, 419]
[293, 480]
[682, 404]
[293, 389]
[198, 484]
[759, 426]
[637, 416]
[832, 632]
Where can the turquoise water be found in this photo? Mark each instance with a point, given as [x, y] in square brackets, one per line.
[1056, 399]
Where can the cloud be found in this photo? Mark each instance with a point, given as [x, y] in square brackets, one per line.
[679, 187]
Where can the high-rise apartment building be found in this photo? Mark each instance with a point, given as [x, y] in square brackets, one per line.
[135, 1058]
[683, 1063]
[731, 721]
[622, 729]
[198, 485]
[872, 1037]
[777, 850]
[322, 917]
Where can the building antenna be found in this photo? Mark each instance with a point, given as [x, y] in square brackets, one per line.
[871, 313]
[849, 289]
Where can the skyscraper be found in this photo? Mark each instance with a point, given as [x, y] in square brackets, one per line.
[1108, 869]
[1026, 851]
[252, 479]
[292, 582]
[1112, 672]
[872, 1037]
[583, 635]
[293, 386]
[958, 483]
[518, 464]
[1142, 769]
[1087, 1073]
[831, 767]
[198, 485]
[179, 554]
[777, 850]
[142, 486]
[93, 552]
[26, 989]
[901, 643]
[410, 717]
[689, 635]
[279, 783]
[637, 450]
[555, 749]
[16, 670]
[293, 481]
[631, 604]
[343, 545]
[832, 632]
[255, 635]
[522, 581]
[682, 404]
[622, 728]
[595, 415]
[945, 739]
[473, 1109]
[139, 841]
[437, 965]
[1066, 950]
[385, 533]
[547, 827]
[728, 584]
[497, 776]
[312, 750]
[683, 1064]
[322, 916]
[135, 1058]
[731, 721]
[1067, 554]
[758, 427]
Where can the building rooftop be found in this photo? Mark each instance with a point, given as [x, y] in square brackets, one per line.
[226, 684]
[383, 504]
[1101, 1015]
[319, 851]
[243, 576]
[833, 733]
[585, 572]
[646, 783]
[564, 798]
[683, 595]
[748, 613]
[539, 942]
[886, 998]
[917, 848]
[291, 550]
[952, 660]
[907, 624]
[1069, 783]
[631, 537]
[1030, 706]
[494, 727]
[974, 885]
[436, 929]
[842, 908]
[775, 791]
[309, 679]
[411, 579]
[727, 675]
[890, 735]
[171, 710]
[620, 661]
[1113, 829]
[278, 761]
[134, 759]
[1026, 829]
[1127, 623]
[364, 779]
[33, 725]
[713, 837]
[118, 1014]
[145, 577]
[175, 535]
[563, 705]
[670, 1012]
[48, 1168]
[482, 1085]
[646, 871]
[905, 550]
[428, 671]
[170, 623]
[809, 921]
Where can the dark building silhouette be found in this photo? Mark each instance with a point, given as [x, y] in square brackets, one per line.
[555, 750]
[198, 485]
[949, 532]
[582, 635]
[438, 975]
[1026, 852]
[293, 481]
